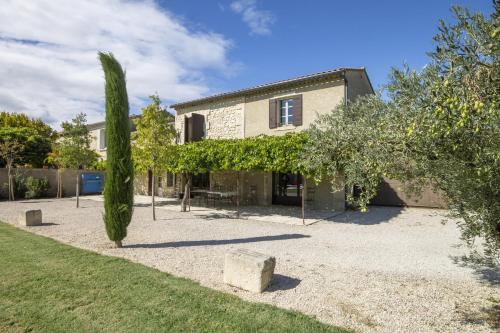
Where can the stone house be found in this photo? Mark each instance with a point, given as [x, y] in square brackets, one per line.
[97, 133]
[273, 109]
[142, 182]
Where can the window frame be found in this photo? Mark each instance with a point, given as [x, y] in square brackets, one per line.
[287, 117]
[102, 138]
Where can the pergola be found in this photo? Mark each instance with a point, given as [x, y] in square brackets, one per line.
[261, 153]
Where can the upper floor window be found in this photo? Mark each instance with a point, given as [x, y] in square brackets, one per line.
[102, 139]
[286, 112]
[194, 127]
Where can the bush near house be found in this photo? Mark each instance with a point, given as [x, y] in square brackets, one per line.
[36, 188]
[29, 187]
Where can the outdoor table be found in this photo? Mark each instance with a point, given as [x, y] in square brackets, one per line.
[202, 193]
[223, 195]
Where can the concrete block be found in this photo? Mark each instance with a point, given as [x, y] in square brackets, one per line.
[31, 217]
[248, 270]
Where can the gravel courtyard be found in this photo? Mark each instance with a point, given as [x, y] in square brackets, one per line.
[390, 270]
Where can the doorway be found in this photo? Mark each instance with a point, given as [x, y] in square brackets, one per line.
[287, 189]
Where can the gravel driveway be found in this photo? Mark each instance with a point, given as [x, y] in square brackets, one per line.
[390, 270]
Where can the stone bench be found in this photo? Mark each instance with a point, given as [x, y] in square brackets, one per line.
[31, 217]
[248, 270]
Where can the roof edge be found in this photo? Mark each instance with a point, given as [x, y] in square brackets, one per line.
[100, 124]
[262, 87]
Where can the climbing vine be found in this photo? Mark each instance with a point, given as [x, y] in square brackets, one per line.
[266, 153]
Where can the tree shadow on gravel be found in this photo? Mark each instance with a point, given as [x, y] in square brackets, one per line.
[489, 315]
[282, 282]
[374, 215]
[217, 241]
[487, 271]
[483, 268]
[157, 204]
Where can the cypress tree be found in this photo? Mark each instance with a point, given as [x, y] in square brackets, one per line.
[118, 189]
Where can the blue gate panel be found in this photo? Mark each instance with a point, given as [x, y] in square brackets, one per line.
[92, 182]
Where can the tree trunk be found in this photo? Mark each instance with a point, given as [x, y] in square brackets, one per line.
[10, 183]
[184, 198]
[304, 192]
[61, 190]
[153, 194]
[11, 188]
[189, 193]
[77, 189]
[58, 184]
[59, 195]
[118, 244]
[238, 195]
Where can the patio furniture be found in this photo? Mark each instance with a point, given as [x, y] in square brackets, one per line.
[222, 196]
[200, 196]
[252, 196]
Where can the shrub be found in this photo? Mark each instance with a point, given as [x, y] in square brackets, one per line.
[36, 188]
[98, 166]
[19, 185]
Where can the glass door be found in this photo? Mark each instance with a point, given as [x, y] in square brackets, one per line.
[287, 188]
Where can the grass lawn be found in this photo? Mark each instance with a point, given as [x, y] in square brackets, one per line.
[46, 286]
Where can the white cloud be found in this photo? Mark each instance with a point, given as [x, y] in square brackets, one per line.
[259, 21]
[48, 55]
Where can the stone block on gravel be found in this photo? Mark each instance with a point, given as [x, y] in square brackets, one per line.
[248, 270]
[31, 217]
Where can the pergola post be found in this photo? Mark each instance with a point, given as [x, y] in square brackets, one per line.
[304, 191]
[237, 194]
[189, 193]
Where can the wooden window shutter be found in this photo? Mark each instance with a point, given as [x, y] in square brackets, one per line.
[297, 110]
[102, 139]
[273, 113]
[198, 122]
[188, 129]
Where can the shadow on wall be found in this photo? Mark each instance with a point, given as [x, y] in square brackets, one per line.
[396, 193]
[217, 242]
[388, 194]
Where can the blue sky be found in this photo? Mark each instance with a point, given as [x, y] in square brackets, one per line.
[316, 35]
[186, 49]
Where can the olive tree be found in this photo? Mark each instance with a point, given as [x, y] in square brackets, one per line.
[454, 128]
[439, 125]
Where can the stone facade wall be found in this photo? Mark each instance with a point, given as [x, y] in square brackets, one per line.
[249, 116]
[222, 119]
[317, 99]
